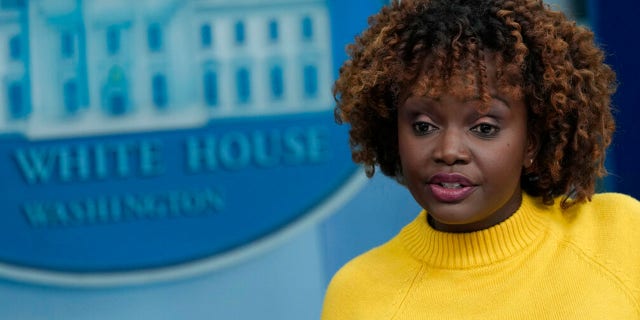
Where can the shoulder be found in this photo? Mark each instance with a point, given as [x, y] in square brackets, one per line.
[609, 212]
[609, 218]
[369, 281]
[602, 207]
[616, 202]
[605, 231]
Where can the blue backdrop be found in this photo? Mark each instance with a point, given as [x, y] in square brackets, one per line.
[286, 279]
[617, 31]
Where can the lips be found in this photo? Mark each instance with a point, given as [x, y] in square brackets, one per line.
[450, 187]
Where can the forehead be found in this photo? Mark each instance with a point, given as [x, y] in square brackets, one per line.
[470, 78]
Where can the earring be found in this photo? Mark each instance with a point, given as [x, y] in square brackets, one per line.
[528, 164]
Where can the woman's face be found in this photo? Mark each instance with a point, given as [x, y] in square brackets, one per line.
[463, 166]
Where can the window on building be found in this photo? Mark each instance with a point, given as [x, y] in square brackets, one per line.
[117, 103]
[67, 44]
[273, 31]
[15, 50]
[116, 93]
[206, 37]
[113, 40]
[307, 28]
[159, 90]
[154, 37]
[17, 104]
[310, 81]
[210, 85]
[243, 85]
[70, 96]
[240, 33]
[277, 82]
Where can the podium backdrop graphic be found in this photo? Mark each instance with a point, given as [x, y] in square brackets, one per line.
[159, 137]
[193, 141]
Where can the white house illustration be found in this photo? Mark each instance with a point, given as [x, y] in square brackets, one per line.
[83, 67]
[14, 64]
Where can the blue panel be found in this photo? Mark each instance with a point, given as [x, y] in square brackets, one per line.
[154, 38]
[205, 36]
[610, 20]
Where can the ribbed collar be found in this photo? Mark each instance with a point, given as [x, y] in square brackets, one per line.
[466, 250]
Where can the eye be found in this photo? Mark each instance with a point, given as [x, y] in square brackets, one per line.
[422, 128]
[485, 130]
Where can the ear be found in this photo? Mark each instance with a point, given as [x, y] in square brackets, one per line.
[533, 146]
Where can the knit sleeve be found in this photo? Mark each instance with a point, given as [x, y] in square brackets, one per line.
[609, 233]
[372, 285]
[625, 230]
[339, 296]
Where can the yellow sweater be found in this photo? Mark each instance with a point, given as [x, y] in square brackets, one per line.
[541, 263]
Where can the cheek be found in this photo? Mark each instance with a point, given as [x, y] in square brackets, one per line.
[413, 158]
[408, 158]
[502, 161]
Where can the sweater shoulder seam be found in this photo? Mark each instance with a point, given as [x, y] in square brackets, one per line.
[628, 291]
[411, 283]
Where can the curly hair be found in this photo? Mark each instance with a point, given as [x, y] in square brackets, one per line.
[428, 46]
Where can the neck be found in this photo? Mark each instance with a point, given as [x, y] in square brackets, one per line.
[462, 250]
[502, 214]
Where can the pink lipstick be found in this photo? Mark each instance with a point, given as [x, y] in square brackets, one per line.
[450, 187]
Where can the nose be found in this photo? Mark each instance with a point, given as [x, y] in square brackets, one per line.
[451, 148]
